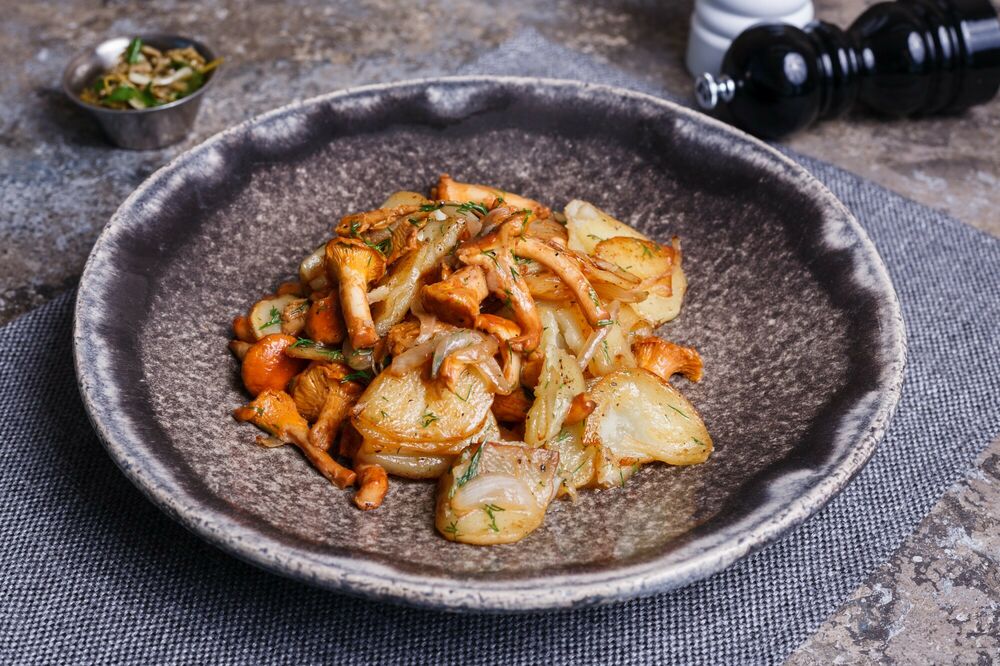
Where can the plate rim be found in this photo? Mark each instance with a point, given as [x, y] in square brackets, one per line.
[370, 579]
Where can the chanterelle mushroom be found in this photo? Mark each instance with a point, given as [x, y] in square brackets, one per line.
[665, 359]
[354, 265]
[449, 189]
[274, 412]
[561, 262]
[456, 299]
[492, 254]
[324, 394]
[266, 366]
[351, 225]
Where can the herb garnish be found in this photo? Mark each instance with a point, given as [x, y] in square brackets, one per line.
[383, 246]
[452, 528]
[492, 255]
[427, 208]
[427, 419]
[605, 322]
[361, 376]
[473, 206]
[470, 471]
[491, 510]
[133, 51]
[681, 413]
[275, 319]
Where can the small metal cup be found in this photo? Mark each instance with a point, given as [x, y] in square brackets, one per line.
[138, 129]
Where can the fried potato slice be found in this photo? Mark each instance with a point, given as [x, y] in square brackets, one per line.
[496, 493]
[641, 418]
[414, 410]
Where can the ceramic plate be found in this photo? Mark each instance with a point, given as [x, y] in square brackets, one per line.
[789, 304]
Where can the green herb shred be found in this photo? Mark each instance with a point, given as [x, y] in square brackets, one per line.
[275, 319]
[133, 51]
[471, 470]
[491, 510]
[473, 206]
[361, 376]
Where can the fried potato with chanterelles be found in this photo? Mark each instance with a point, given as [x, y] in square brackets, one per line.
[496, 493]
[472, 335]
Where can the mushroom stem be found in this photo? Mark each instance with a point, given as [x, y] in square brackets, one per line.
[275, 413]
[492, 254]
[354, 264]
[373, 483]
[357, 312]
[562, 263]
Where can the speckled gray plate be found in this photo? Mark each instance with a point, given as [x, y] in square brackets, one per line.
[789, 303]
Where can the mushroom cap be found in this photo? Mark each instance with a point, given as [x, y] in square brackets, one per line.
[353, 255]
[266, 366]
[665, 359]
[313, 386]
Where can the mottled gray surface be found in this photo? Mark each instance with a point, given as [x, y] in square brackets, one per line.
[936, 601]
[59, 182]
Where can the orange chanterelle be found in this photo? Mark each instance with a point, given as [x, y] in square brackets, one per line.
[478, 338]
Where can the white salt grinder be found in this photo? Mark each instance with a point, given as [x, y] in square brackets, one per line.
[716, 23]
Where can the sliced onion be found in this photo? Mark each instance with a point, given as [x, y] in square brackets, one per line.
[428, 322]
[453, 342]
[612, 292]
[490, 371]
[502, 490]
[378, 294]
[179, 75]
[590, 347]
[492, 220]
[413, 357]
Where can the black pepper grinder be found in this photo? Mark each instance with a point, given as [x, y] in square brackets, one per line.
[911, 57]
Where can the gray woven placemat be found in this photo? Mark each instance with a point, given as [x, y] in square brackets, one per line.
[91, 572]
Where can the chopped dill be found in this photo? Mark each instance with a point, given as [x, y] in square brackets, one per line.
[491, 510]
[470, 471]
[681, 413]
[473, 206]
[273, 321]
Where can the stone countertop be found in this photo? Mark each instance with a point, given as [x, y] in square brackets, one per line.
[60, 181]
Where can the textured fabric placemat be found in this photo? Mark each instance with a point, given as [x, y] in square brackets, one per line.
[92, 572]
